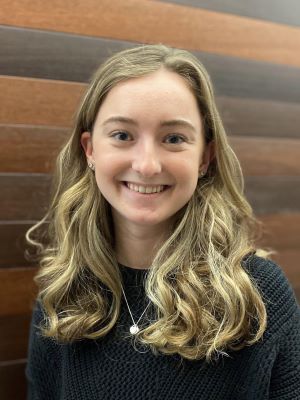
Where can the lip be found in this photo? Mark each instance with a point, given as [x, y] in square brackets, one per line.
[146, 184]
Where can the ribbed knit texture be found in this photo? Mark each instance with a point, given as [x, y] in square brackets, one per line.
[114, 368]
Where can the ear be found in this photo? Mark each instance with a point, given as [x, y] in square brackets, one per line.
[87, 144]
[208, 156]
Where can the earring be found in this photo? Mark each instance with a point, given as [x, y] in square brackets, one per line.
[202, 173]
[92, 166]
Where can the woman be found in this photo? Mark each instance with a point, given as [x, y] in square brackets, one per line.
[150, 284]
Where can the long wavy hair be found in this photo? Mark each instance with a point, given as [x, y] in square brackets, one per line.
[204, 300]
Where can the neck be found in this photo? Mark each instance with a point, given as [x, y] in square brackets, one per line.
[136, 247]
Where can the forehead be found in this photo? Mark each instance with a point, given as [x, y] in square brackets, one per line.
[162, 93]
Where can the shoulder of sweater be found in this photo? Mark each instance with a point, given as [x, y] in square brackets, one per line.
[275, 288]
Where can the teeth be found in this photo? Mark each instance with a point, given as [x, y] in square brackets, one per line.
[144, 189]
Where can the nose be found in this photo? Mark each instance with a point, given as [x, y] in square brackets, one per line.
[146, 160]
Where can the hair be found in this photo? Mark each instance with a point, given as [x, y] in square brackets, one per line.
[204, 301]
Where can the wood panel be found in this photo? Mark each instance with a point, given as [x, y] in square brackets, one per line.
[270, 10]
[74, 58]
[54, 103]
[12, 381]
[24, 197]
[29, 148]
[14, 334]
[280, 231]
[38, 102]
[261, 156]
[273, 194]
[152, 22]
[18, 290]
[34, 149]
[13, 244]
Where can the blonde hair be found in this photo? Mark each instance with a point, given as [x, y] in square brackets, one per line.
[204, 300]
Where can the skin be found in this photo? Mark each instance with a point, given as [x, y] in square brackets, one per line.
[147, 152]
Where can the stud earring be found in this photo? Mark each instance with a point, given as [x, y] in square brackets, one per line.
[202, 173]
[92, 166]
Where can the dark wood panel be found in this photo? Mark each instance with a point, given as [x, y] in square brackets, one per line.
[30, 148]
[249, 117]
[267, 156]
[54, 103]
[30, 53]
[13, 244]
[14, 334]
[276, 194]
[281, 231]
[38, 102]
[24, 196]
[289, 262]
[153, 21]
[12, 381]
[18, 290]
[287, 12]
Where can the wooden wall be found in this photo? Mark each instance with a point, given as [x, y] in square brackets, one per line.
[49, 50]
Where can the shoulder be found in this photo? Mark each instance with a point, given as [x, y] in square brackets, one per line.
[275, 289]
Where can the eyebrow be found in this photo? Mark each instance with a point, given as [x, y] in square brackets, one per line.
[169, 123]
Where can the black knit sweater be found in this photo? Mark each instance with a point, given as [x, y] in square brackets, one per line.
[114, 368]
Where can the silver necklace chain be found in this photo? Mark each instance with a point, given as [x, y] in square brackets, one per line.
[134, 328]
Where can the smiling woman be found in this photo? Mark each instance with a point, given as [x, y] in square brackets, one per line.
[149, 258]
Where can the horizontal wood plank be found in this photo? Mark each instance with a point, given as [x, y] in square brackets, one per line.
[23, 55]
[26, 197]
[30, 148]
[14, 335]
[153, 21]
[34, 149]
[18, 290]
[28, 101]
[269, 10]
[12, 381]
[38, 102]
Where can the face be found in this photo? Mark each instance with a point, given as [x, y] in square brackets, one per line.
[148, 137]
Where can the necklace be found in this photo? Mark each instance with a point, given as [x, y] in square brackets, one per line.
[134, 329]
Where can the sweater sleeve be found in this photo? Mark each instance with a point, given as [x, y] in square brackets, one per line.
[285, 379]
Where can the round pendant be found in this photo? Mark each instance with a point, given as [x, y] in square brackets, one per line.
[134, 329]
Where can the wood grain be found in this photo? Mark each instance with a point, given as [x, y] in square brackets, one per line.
[18, 290]
[270, 10]
[273, 194]
[26, 101]
[61, 56]
[14, 335]
[152, 22]
[34, 149]
[261, 156]
[24, 197]
[29, 148]
[12, 381]
[38, 102]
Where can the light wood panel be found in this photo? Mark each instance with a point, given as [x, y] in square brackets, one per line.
[54, 103]
[38, 102]
[153, 21]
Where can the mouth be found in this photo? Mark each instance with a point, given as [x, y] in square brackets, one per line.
[146, 190]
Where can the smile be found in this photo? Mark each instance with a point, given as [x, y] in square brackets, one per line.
[145, 189]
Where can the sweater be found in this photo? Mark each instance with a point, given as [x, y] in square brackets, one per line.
[115, 367]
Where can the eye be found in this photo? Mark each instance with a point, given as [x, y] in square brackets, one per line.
[175, 137]
[120, 136]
